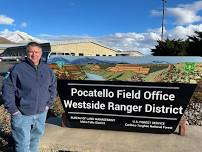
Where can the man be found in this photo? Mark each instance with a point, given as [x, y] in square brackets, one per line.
[28, 93]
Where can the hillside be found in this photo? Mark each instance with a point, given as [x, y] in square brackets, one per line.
[18, 36]
[5, 41]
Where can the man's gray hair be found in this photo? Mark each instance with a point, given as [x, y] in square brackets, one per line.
[33, 44]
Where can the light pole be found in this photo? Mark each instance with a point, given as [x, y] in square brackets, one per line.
[162, 24]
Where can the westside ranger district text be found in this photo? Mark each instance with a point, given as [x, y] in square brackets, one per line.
[122, 107]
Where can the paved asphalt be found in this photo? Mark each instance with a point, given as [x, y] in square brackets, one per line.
[57, 138]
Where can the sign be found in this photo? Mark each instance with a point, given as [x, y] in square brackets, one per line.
[144, 94]
[121, 105]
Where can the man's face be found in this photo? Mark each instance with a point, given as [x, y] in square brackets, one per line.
[34, 54]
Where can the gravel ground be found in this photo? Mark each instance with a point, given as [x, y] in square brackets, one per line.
[91, 140]
[193, 114]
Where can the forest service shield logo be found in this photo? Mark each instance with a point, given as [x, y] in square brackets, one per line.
[189, 67]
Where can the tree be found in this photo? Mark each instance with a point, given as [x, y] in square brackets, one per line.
[170, 48]
[195, 44]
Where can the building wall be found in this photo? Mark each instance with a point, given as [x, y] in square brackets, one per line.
[1, 50]
[85, 48]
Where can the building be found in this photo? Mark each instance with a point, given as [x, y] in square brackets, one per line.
[88, 48]
[82, 48]
[72, 48]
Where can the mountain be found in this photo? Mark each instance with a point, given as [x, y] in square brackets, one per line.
[159, 62]
[88, 60]
[18, 37]
[5, 41]
[56, 59]
[78, 60]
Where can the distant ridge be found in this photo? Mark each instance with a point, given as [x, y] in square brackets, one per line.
[18, 37]
[5, 41]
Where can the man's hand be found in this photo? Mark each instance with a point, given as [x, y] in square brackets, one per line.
[47, 108]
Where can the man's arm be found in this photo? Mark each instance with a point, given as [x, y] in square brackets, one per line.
[8, 93]
[52, 89]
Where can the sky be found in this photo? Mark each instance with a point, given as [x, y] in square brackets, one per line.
[133, 25]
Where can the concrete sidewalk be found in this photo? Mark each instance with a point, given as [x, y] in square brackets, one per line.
[90, 140]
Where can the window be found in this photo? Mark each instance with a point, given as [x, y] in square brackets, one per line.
[53, 53]
[72, 54]
[60, 53]
[103, 55]
[67, 54]
[97, 55]
[80, 54]
[123, 55]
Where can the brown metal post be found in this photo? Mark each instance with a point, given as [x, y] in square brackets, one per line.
[64, 120]
[183, 124]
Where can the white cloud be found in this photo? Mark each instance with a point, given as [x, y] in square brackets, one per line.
[156, 13]
[23, 25]
[5, 31]
[184, 14]
[142, 42]
[55, 38]
[157, 30]
[182, 32]
[6, 20]
[195, 6]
